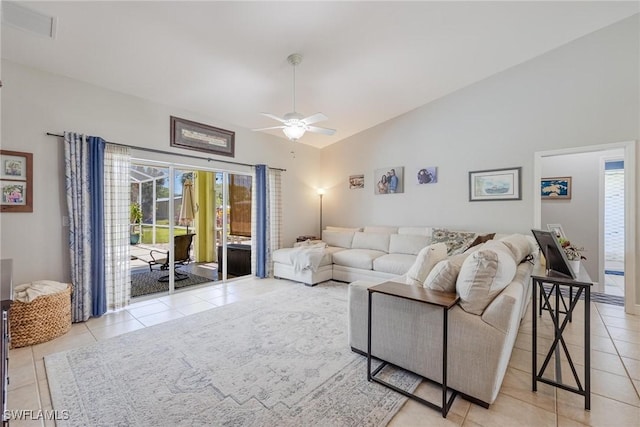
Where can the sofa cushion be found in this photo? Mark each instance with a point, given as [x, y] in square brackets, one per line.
[407, 243]
[518, 244]
[341, 239]
[394, 263]
[332, 228]
[357, 258]
[375, 241]
[426, 259]
[380, 229]
[284, 256]
[416, 231]
[444, 275]
[456, 241]
[484, 274]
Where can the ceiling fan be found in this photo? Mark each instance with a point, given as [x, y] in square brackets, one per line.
[294, 124]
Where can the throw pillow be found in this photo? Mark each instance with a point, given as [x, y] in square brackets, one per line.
[457, 241]
[425, 260]
[445, 273]
[518, 244]
[484, 274]
[481, 238]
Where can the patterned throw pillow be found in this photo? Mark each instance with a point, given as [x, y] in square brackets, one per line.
[457, 241]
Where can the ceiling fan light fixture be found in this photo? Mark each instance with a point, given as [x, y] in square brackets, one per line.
[294, 132]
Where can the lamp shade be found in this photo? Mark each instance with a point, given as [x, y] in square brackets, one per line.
[294, 132]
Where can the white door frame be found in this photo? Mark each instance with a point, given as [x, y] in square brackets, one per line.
[631, 304]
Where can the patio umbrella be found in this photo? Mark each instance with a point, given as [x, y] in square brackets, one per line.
[187, 210]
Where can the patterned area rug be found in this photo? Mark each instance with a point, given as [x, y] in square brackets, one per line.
[147, 282]
[280, 359]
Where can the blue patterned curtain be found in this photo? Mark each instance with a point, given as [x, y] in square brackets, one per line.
[84, 172]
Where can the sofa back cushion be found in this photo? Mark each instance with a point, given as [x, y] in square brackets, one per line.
[332, 228]
[426, 259]
[444, 275]
[341, 239]
[484, 274]
[375, 241]
[380, 229]
[518, 244]
[407, 243]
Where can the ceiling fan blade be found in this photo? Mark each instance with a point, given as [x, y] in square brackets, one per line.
[269, 128]
[315, 118]
[317, 129]
[274, 117]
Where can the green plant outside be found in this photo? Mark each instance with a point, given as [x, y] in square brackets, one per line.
[162, 234]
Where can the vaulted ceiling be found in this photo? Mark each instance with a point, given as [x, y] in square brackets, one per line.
[364, 62]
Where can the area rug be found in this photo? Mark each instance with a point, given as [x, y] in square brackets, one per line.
[279, 359]
[147, 282]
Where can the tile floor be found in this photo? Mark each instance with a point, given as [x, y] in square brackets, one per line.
[615, 355]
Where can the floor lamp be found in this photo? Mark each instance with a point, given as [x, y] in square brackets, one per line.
[320, 193]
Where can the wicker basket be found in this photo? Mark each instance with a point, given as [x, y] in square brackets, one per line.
[40, 320]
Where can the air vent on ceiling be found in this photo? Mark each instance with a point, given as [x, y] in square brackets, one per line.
[27, 19]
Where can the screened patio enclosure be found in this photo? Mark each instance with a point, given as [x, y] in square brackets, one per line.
[176, 201]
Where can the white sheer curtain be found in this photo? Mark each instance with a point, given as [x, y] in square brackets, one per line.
[117, 162]
[275, 216]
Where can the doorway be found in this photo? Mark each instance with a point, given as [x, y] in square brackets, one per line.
[183, 208]
[612, 175]
[631, 293]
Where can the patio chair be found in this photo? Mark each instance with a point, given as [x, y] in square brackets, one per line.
[181, 249]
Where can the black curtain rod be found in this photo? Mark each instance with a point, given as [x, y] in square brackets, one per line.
[153, 150]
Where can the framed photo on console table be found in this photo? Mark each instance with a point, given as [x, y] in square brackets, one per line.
[199, 137]
[495, 184]
[16, 178]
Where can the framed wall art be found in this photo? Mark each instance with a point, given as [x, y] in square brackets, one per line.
[16, 181]
[557, 188]
[200, 137]
[389, 180]
[428, 175]
[356, 181]
[495, 184]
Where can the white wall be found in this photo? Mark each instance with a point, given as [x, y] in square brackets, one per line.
[583, 93]
[579, 216]
[35, 102]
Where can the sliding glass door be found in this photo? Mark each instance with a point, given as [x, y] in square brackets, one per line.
[193, 227]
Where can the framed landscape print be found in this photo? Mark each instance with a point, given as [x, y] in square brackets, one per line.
[199, 137]
[495, 184]
[16, 177]
[555, 188]
[389, 180]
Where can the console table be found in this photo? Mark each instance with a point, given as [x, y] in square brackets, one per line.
[444, 300]
[582, 286]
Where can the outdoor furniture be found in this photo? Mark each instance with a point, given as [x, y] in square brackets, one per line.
[181, 250]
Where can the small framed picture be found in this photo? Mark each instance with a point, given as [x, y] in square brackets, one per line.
[556, 229]
[16, 176]
[557, 188]
[389, 180]
[495, 184]
[428, 175]
[356, 181]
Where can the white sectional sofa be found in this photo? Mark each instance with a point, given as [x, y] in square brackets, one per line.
[408, 333]
[360, 254]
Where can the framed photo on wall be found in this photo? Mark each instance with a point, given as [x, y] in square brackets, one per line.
[555, 188]
[495, 184]
[356, 181]
[16, 177]
[428, 175]
[200, 137]
[389, 180]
